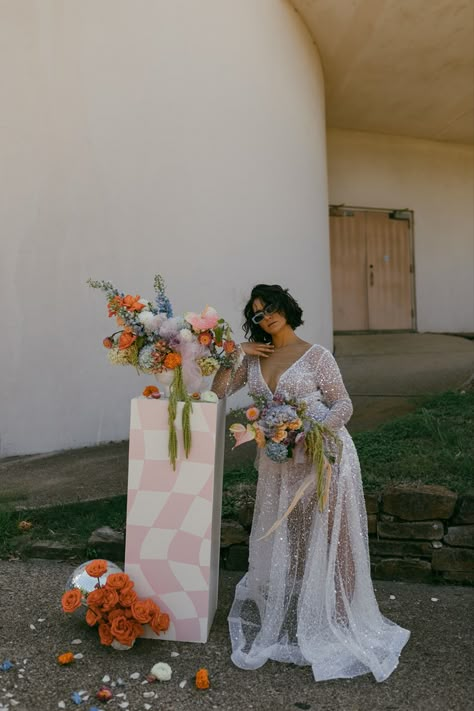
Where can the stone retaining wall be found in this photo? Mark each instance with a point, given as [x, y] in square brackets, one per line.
[418, 533]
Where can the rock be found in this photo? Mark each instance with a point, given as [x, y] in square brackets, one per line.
[371, 503]
[458, 559]
[55, 550]
[232, 533]
[424, 530]
[465, 509]
[422, 549]
[108, 543]
[245, 515]
[462, 536]
[386, 517]
[457, 576]
[403, 569]
[237, 558]
[372, 523]
[243, 495]
[419, 503]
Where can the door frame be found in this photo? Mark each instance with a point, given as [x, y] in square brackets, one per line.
[406, 214]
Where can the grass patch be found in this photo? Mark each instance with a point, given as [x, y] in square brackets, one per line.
[71, 522]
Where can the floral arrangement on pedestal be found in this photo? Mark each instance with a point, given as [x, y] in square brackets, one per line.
[115, 608]
[283, 430]
[178, 350]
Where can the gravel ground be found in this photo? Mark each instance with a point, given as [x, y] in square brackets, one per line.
[433, 673]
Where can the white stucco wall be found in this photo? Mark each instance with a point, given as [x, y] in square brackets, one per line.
[179, 137]
[436, 181]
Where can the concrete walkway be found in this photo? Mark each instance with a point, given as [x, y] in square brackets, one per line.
[383, 373]
[434, 673]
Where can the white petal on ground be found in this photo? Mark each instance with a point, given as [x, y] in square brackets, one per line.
[106, 678]
[434, 599]
[79, 655]
[392, 597]
[135, 675]
[76, 641]
[182, 684]
[174, 654]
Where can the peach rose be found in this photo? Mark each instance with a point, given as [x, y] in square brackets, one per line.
[71, 600]
[110, 599]
[123, 630]
[279, 435]
[160, 622]
[66, 658]
[126, 339]
[143, 610]
[96, 568]
[259, 437]
[172, 361]
[105, 634]
[127, 597]
[117, 581]
[92, 616]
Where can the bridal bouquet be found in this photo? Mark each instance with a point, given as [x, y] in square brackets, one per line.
[284, 431]
[178, 350]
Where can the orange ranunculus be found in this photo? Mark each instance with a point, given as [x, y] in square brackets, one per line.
[205, 338]
[172, 361]
[117, 581]
[280, 435]
[123, 630]
[202, 679]
[108, 342]
[127, 597]
[126, 339]
[93, 616]
[229, 346]
[160, 622]
[149, 390]
[66, 658]
[110, 599]
[132, 303]
[71, 600]
[96, 568]
[95, 598]
[143, 610]
[105, 634]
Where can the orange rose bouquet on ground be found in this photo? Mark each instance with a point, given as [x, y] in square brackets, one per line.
[115, 608]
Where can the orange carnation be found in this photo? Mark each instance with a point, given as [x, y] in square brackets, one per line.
[105, 634]
[66, 658]
[71, 600]
[202, 679]
[144, 610]
[132, 303]
[117, 581]
[149, 390]
[172, 360]
[126, 339]
[96, 568]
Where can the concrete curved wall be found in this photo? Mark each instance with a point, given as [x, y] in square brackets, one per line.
[141, 137]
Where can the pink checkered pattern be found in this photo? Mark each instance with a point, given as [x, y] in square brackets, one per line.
[173, 517]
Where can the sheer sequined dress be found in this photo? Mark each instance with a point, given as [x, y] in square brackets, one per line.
[307, 597]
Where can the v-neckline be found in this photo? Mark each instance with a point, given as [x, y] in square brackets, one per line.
[273, 392]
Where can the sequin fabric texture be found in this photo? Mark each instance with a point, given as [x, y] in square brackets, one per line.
[307, 597]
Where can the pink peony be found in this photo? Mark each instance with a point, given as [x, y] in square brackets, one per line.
[205, 321]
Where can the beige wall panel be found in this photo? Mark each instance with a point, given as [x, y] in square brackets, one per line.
[349, 273]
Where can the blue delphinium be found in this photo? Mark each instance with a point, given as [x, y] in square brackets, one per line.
[162, 302]
[276, 451]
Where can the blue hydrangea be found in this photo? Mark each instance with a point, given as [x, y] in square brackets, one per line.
[276, 451]
[145, 360]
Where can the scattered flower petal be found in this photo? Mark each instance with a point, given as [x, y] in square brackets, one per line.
[135, 675]
[392, 597]
[76, 698]
[162, 671]
[79, 655]
[182, 684]
[104, 694]
[76, 641]
[65, 658]
[150, 678]
[6, 665]
[147, 707]
[120, 681]
[434, 599]
[124, 704]
[41, 619]
[61, 705]
[32, 627]
[174, 654]
[202, 679]
[148, 695]
[106, 678]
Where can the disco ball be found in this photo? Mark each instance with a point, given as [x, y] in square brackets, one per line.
[83, 581]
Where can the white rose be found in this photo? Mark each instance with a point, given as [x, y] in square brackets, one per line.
[185, 335]
[150, 321]
[161, 671]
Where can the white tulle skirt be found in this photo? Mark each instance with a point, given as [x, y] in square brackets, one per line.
[308, 597]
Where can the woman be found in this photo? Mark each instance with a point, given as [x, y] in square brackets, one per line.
[307, 597]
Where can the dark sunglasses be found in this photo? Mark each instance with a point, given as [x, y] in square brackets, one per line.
[267, 311]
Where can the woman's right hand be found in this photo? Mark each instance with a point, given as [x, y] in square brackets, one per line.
[262, 350]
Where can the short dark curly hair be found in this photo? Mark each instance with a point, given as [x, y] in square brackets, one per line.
[282, 299]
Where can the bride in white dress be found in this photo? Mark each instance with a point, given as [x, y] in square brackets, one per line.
[307, 597]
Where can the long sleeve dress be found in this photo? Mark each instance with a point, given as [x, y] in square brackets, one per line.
[307, 597]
